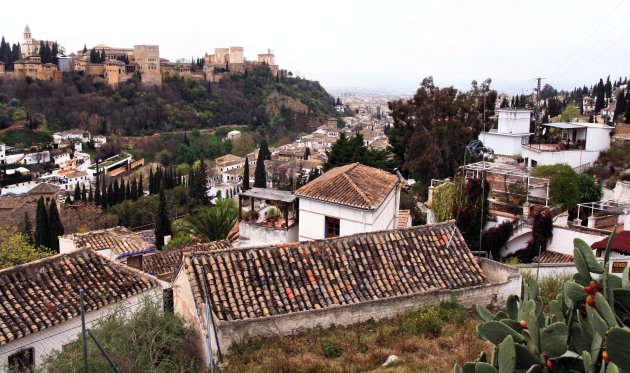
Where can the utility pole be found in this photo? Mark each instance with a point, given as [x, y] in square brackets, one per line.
[537, 119]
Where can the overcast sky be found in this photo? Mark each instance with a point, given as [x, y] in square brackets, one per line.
[379, 45]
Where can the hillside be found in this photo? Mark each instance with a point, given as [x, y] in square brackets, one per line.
[277, 106]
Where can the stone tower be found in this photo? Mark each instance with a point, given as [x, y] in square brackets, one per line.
[28, 47]
[148, 59]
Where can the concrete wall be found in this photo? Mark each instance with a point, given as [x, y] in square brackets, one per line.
[513, 121]
[562, 240]
[55, 337]
[573, 158]
[251, 234]
[502, 281]
[598, 139]
[502, 144]
[622, 191]
[352, 220]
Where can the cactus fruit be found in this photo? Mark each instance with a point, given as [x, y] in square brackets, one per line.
[587, 330]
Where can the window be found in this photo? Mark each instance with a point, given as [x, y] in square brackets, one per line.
[22, 361]
[332, 227]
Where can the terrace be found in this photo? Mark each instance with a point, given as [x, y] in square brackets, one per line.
[268, 216]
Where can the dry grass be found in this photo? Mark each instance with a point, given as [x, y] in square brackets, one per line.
[364, 347]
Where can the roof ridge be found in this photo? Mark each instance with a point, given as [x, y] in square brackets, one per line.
[294, 244]
[356, 187]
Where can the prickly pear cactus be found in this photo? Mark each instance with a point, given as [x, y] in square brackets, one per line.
[588, 329]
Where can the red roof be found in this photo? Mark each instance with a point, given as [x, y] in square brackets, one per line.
[621, 242]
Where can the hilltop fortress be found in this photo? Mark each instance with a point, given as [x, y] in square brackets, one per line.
[117, 65]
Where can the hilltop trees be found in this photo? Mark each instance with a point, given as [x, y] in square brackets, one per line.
[349, 150]
[432, 129]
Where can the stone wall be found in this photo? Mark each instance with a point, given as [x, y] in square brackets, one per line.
[502, 281]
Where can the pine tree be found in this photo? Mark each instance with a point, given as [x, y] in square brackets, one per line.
[55, 226]
[27, 231]
[42, 234]
[260, 175]
[162, 223]
[77, 193]
[246, 174]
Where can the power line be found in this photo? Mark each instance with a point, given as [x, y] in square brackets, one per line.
[567, 71]
[588, 37]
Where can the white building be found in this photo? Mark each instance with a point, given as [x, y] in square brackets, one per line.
[44, 315]
[233, 135]
[99, 140]
[346, 200]
[512, 131]
[71, 135]
[572, 143]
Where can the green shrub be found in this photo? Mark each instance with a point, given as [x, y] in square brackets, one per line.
[331, 348]
[426, 321]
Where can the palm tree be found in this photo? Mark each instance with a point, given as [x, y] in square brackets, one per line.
[213, 223]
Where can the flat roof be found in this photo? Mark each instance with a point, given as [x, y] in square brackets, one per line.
[269, 194]
[564, 126]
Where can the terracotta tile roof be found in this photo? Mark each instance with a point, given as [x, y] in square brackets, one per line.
[120, 240]
[551, 257]
[44, 188]
[228, 159]
[164, 264]
[620, 244]
[11, 202]
[44, 293]
[403, 218]
[354, 185]
[264, 281]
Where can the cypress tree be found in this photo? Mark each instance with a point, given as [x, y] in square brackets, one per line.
[56, 227]
[134, 190]
[260, 175]
[128, 190]
[104, 195]
[97, 193]
[83, 193]
[191, 182]
[116, 193]
[77, 193]
[68, 200]
[201, 182]
[111, 199]
[162, 222]
[42, 235]
[140, 188]
[90, 195]
[27, 231]
[264, 149]
[151, 182]
[246, 174]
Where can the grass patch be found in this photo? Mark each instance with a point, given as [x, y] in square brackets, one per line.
[550, 286]
[413, 337]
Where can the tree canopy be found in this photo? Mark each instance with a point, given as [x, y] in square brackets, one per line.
[432, 129]
[353, 149]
